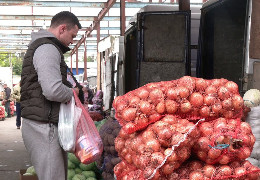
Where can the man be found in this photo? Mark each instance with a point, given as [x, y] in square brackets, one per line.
[16, 95]
[43, 88]
[7, 100]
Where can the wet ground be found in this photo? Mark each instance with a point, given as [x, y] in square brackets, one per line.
[13, 155]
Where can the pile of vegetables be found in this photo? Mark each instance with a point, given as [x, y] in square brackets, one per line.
[108, 132]
[168, 127]
[2, 112]
[79, 171]
[187, 97]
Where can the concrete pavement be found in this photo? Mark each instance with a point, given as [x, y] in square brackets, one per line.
[13, 155]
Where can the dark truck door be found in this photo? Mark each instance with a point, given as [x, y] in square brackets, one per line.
[157, 48]
[222, 40]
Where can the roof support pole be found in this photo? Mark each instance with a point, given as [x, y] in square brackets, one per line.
[71, 62]
[122, 17]
[98, 58]
[85, 62]
[77, 61]
[184, 5]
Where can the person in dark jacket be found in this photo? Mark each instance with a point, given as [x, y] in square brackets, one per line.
[7, 100]
[44, 86]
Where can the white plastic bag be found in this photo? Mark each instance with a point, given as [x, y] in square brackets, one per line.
[69, 115]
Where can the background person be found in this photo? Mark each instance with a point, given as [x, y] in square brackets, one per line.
[7, 91]
[44, 86]
[16, 95]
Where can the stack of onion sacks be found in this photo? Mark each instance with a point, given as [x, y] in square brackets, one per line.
[187, 97]
[198, 170]
[223, 141]
[146, 150]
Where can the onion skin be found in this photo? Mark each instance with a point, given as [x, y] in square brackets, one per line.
[196, 99]
[209, 170]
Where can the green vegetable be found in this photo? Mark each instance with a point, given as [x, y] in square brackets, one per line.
[91, 178]
[27, 174]
[87, 167]
[78, 170]
[89, 174]
[71, 165]
[71, 174]
[73, 159]
[31, 170]
[79, 177]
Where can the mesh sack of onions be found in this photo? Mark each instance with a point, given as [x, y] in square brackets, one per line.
[223, 141]
[108, 132]
[194, 169]
[187, 97]
[164, 145]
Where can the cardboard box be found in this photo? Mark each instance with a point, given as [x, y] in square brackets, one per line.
[22, 177]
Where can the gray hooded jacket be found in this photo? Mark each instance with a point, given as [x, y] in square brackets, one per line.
[44, 85]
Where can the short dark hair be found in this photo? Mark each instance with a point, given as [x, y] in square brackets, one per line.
[65, 17]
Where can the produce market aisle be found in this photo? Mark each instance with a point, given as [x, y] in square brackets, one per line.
[13, 155]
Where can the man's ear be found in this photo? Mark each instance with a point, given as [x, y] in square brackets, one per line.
[62, 28]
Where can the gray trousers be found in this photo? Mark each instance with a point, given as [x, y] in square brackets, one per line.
[47, 156]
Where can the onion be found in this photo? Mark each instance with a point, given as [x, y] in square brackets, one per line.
[148, 134]
[187, 81]
[201, 84]
[228, 114]
[204, 111]
[223, 93]
[215, 82]
[237, 102]
[232, 87]
[145, 107]
[142, 93]
[206, 128]
[220, 123]
[121, 105]
[170, 119]
[171, 106]
[203, 143]
[123, 134]
[227, 104]
[183, 92]
[172, 157]
[152, 145]
[129, 114]
[234, 164]
[129, 127]
[160, 107]
[214, 153]
[195, 165]
[244, 153]
[172, 93]
[209, 100]
[157, 159]
[185, 107]
[183, 153]
[216, 108]
[209, 170]
[165, 133]
[196, 99]
[128, 158]
[240, 171]
[156, 95]
[245, 128]
[225, 170]
[119, 144]
[167, 169]
[176, 138]
[196, 175]
[141, 121]
[202, 155]
[224, 159]
[252, 137]
[154, 117]
[211, 90]
[134, 101]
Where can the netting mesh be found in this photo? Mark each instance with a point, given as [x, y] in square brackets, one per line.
[187, 97]
[223, 141]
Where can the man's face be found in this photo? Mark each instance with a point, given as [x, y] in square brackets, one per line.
[67, 35]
